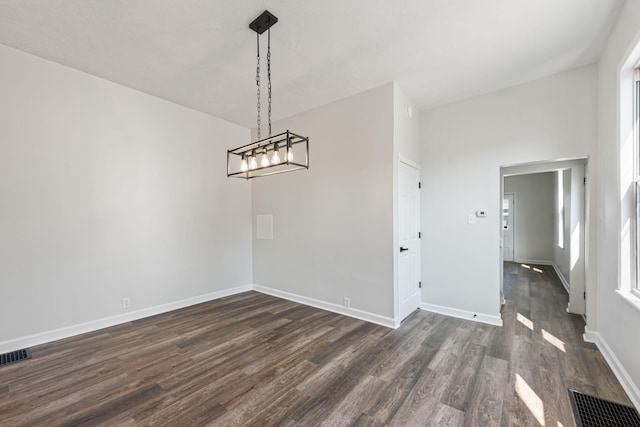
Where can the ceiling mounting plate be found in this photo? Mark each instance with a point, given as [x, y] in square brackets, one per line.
[263, 22]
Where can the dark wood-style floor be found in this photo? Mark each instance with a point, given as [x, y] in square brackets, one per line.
[252, 359]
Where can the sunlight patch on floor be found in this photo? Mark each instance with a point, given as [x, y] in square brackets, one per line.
[526, 322]
[531, 399]
[559, 344]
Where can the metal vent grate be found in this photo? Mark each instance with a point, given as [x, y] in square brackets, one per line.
[15, 356]
[591, 411]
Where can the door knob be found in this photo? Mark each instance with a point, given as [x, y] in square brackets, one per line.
[403, 249]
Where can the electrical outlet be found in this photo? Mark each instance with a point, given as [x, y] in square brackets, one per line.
[346, 302]
[126, 302]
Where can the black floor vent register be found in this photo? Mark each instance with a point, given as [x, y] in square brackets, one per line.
[15, 356]
[591, 411]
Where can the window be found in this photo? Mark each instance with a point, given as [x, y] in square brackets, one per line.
[560, 207]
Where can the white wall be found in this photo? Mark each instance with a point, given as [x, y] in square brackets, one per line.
[406, 126]
[463, 146]
[534, 215]
[614, 316]
[106, 192]
[333, 224]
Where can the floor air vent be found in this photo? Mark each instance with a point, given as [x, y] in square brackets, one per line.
[15, 356]
[591, 411]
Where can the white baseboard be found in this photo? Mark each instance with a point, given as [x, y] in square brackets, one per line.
[564, 281]
[335, 308]
[94, 325]
[463, 314]
[621, 374]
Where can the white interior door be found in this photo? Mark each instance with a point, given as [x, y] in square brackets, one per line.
[409, 239]
[508, 223]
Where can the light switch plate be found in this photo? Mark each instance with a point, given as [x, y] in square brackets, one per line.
[472, 218]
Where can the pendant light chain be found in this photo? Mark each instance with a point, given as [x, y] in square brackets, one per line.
[269, 74]
[258, 84]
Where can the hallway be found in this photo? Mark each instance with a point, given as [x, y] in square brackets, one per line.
[538, 332]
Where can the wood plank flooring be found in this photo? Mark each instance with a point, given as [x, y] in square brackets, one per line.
[256, 360]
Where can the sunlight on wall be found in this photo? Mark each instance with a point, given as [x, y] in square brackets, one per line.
[553, 340]
[530, 398]
[560, 209]
[575, 245]
[626, 165]
[627, 173]
[625, 255]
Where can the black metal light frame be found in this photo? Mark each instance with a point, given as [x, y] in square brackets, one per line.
[237, 163]
[286, 141]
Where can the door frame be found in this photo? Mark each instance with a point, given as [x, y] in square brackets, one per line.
[396, 284]
[552, 166]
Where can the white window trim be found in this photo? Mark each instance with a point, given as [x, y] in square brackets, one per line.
[635, 288]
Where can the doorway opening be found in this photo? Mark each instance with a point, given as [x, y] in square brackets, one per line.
[544, 222]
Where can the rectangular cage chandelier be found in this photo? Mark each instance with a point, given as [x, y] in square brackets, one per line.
[280, 153]
[285, 152]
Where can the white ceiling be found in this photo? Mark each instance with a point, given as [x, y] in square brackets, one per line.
[201, 54]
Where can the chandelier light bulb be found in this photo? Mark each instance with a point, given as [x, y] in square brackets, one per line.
[290, 153]
[276, 155]
[253, 163]
[264, 162]
[244, 166]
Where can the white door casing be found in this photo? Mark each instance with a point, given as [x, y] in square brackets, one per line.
[409, 294]
[508, 224]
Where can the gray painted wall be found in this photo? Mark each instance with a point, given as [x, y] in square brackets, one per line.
[534, 215]
[107, 192]
[333, 224]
